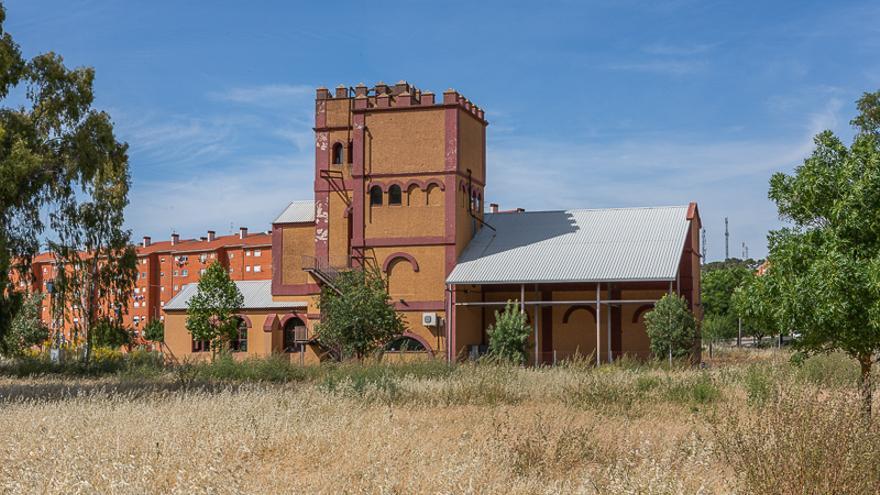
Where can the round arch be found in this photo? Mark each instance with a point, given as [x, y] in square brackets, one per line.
[572, 309]
[400, 255]
[640, 311]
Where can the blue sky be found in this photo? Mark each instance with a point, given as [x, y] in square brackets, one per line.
[591, 104]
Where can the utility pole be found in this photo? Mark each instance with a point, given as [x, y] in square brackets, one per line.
[703, 243]
[745, 251]
[726, 241]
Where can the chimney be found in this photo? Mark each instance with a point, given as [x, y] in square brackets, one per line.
[203, 239]
[175, 238]
[341, 91]
[322, 93]
[493, 207]
[147, 241]
[520, 210]
[211, 235]
[242, 232]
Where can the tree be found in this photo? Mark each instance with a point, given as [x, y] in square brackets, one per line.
[357, 316]
[54, 150]
[212, 311]
[509, 335]
[718, 283]
[823, 279]
[671, 327]
[27, 328]
[109, 332]
[154, 331]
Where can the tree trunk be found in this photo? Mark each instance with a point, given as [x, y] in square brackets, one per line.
[866, 385]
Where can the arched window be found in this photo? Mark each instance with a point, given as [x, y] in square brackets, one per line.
[394, 195]
[375, 196]
[405, 344]
[350, 153]
[291, 327]
[240, 344]
[337, 154]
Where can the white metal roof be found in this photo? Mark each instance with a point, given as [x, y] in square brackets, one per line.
[297, 211]
[597, 245]
[257, 295]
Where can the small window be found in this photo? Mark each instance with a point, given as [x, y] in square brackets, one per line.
[247, 268]
[176, 287]
[162, 289]
[247, 253]
[291, 327]
[258, 268]
[257, 253]
[240, 344]
[161, 274]
[375, 196]
[198, 345]
[184, 273]
[176, 273]
[405, 344]
[337, 154]
[350, 153]
[202, 271]
[394, 195]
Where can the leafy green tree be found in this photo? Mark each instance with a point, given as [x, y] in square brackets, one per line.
[509, 336]
[823, 279]
[55, 150]
[27, 329]
[155, 331]
[108, 332]
[718, 282]
[671, 327]
[357, 315]
[212, 311]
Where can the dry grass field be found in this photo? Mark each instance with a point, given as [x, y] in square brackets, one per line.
[750, 423]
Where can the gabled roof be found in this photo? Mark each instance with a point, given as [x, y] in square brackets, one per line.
[297, 212]
[257, 295]
[595, 245]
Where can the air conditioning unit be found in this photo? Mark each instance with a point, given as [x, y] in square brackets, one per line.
[429, 319]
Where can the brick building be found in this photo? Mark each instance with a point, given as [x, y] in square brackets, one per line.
[164, 268]
[399, 185]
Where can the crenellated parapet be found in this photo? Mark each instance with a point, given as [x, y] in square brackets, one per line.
[402, 95]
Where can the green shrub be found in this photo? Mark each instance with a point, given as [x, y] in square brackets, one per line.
[509, 335]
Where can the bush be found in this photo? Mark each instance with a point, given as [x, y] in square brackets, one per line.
[509, 335]
[671, 327]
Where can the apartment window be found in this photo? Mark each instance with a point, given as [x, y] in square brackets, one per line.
[394, 195]
[202, 272]
[162, 260]
[143, 275]
[350, 152]
[258, 268]
[162, 303]
[375, 196]
[231, 255]
[184, 273]
[231, 270]
[213, 255]
[161, 274]
[257, 253]
[162, 289]
[175, 273]
[203, 257]
[137, 290]
[247, 253]
[136, 304]
[247, 268]
[176, 287]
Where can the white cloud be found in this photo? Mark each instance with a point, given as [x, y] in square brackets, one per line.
[663, 66]
[265, 95]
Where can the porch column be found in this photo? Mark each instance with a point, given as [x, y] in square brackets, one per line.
[598, 323]
[537, 319]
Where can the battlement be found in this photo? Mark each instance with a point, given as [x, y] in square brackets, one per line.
[400, 95]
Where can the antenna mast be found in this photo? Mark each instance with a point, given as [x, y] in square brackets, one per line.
[726, 241]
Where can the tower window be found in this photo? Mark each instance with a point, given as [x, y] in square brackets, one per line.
[337, 154]
[350, 153]
[375, 196]
[394, 195]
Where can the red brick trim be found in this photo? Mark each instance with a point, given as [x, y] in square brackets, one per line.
[296, 290]
[420, 306]
[420, 340]
[269, 324]
[404, 241]
[576, 307]
[400, 255]
[247, 321]
[290, 316]
[640, 310]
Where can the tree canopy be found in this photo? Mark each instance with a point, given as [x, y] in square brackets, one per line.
[823, 279]
[57, 153]
[358, 316]
[212, 313]
[671, 327]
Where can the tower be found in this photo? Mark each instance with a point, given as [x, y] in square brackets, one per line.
[726, 241]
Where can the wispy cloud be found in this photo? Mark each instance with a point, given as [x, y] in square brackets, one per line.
[270, 94]
[667, 67]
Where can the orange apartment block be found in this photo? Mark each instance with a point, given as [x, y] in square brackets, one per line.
[164, 268]
[400, 177]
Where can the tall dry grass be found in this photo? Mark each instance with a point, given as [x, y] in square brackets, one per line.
[752, 424]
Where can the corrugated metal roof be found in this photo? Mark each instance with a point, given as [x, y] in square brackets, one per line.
[257, 295]
[597, 245]
[297, 211]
